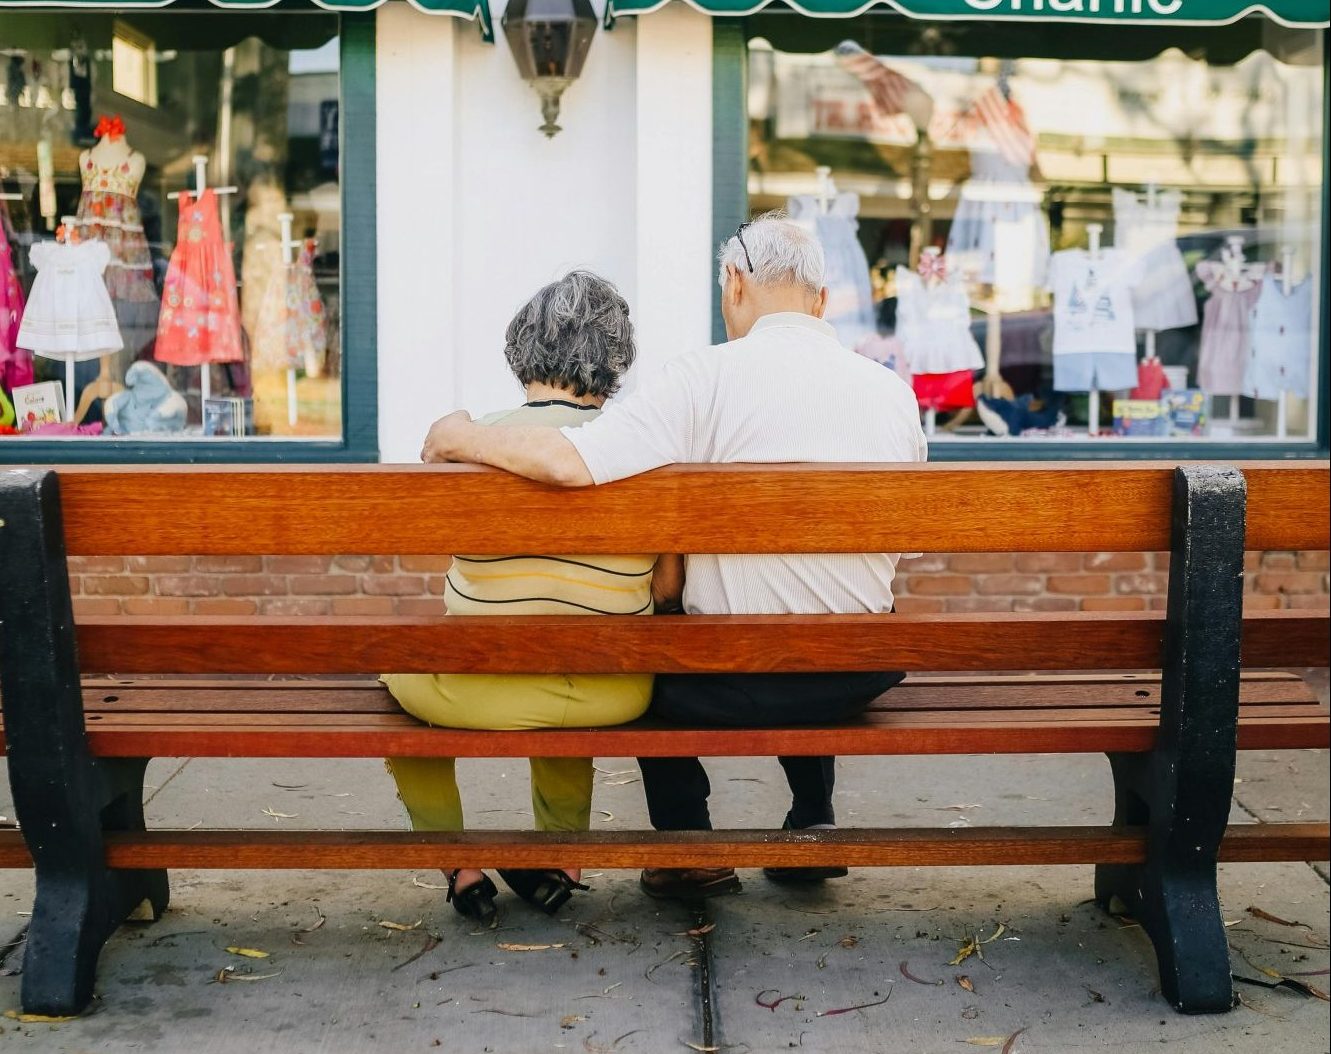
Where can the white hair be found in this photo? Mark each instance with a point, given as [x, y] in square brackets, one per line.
[780, 250]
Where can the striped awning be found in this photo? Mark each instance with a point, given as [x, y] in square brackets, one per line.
[1303, 13]
[477, 11]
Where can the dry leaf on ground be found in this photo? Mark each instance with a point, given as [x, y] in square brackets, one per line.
[504, 946]
[400, 927]
[965, 982]
[248, 953]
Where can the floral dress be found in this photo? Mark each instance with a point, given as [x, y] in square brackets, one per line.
[15, 362]
[290, 329]
[109, 212]
[200, 318]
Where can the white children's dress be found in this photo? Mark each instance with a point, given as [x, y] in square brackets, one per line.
[1095, 342]
[934, 324]
[850, 308]
[69, 313]
[1162, 297]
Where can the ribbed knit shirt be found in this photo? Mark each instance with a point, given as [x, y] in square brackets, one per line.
[786, 392]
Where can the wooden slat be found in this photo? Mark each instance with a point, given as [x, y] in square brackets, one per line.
[871, 847]
[915, 694]
[668, 644]
[1013, 507]
[898, 736]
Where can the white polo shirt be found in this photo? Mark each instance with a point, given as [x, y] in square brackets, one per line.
[786, 392]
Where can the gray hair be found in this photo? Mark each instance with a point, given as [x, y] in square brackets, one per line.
[575, 333]
[782, 253]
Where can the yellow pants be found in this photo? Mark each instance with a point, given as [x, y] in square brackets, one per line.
[561, 788]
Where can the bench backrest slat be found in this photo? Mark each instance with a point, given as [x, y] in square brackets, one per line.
[697, 643]
[409, 510]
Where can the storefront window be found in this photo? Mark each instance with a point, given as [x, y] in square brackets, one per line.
[1065, 231]
[170, 202]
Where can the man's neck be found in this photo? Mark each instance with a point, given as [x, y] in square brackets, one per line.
[541, 392]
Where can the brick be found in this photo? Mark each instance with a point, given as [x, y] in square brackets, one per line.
[393, 585]
[159, 565]
[1314, 561]
[1160, 561]
[383, 565]
[1158, 603]
[324, 585]
[1292, 582]
[425, 565]
[1278, 561]
[928, 563]
[224, 606]
[295, 606]
[939, 585]
[298, 565]
[1149, 582]
[1082, 585]
[979, 563]
[253, 585]
[362, 605]
[1044, 604]
[1045, 563]
[75, 585]
[1113, 604]
[420, 606]
[96, 606]
[434, 584]
[229, 565]
[96, 565]
[1114, 561]
[187, 586]
[1315, 602]
[978, 604]
[1263, 602]
[351, 563]
[919, 605]
[1252, 561]
[115, 585]
[1011, 585]
[156, 606]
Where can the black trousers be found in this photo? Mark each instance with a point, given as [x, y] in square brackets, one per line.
[677, 788]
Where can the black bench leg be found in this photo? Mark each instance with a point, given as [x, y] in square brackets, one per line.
[1182, 790]
[65, 799]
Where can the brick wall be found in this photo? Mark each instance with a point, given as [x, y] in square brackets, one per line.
[413, 585]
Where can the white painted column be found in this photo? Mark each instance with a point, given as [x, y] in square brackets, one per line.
[673, 199]
[416, 170]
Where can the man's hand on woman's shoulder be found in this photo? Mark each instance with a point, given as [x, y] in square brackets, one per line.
[444, 440]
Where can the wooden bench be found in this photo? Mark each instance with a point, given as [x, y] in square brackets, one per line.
[77, 752]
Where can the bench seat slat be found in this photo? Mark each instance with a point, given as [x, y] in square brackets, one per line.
[917, 693]
[864, 847]
[672, 644]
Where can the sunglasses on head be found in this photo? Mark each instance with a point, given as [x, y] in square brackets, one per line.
[739, 237]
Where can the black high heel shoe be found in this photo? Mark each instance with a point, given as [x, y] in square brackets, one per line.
[547, 891]
[477, 901]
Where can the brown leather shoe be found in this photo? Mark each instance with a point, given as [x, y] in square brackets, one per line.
[693, 883]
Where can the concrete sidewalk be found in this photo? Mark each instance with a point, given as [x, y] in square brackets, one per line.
[618, 973]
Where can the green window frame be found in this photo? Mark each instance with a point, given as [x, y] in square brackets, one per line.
[730, 208]
[360, 371]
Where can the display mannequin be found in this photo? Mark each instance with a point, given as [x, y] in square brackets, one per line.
[1281, 340]
[111, 172]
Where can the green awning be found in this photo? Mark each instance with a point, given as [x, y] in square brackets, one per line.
[476, 10]
[1304, 13]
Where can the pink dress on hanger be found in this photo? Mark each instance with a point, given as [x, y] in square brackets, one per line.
[200, 319]
[1225, 324]
[15, 362]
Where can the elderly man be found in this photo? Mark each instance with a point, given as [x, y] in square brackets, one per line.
[781, 389]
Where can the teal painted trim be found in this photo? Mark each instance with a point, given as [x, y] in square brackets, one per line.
[360, 227]
[730, 142]
[196, 452]
[1324, 360]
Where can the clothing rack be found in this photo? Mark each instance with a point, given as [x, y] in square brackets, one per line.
[826, 192]
[930, 253]
[1286, 287]
[1148, 335]
[289, 246]
[1233, 258]
[1093, 232]
[67, 235]
[200, 185]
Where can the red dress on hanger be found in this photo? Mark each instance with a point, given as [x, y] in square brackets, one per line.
[200, 319]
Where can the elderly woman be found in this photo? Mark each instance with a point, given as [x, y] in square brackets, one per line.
[569, 346]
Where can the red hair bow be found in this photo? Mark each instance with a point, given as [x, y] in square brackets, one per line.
[111, 126]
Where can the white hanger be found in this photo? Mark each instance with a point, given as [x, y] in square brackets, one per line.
[289, 247]
[201, 180]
